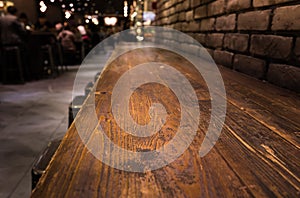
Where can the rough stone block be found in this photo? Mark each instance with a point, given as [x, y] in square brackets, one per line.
[201, 38]
[177, 26]
[260, 3]
[193, 26]
[210, 52]
[178, 7]
[237, 5]
[237, 42]
[277, 47]
[285, 76]
[286, 18]
[216, 7]
[224, 23]
[186, 5]
[181, 16]
[173, 18]
[223, 58]
[189, 15]
[200, 12]
[195, 3]
[255, 20]
[207, 24]
[172, 10]
[214, 40]
[250, 66]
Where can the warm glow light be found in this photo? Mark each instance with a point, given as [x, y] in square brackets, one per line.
[110, 21]
[43, 7]
[125, 9]
[95, 21]
[67, 14]
[1, 4]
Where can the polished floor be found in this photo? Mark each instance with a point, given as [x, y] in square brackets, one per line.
[31, 115]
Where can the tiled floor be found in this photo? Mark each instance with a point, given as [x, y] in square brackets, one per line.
[31, 115]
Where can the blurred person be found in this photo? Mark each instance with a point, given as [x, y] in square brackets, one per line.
[11, 30]
[12, 33]
[68, 41]
[25, 21]
[42, 24]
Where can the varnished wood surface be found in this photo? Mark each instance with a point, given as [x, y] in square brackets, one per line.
[257, 154]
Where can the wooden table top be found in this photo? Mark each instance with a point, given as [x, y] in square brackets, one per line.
[256, 155]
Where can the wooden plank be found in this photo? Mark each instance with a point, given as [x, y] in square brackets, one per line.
[250, 158]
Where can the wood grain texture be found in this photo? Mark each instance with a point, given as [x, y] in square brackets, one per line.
[257, 154]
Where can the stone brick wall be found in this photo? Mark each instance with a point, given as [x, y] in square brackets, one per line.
[260, 38]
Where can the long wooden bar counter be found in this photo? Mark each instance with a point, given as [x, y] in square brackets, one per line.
[256, 155]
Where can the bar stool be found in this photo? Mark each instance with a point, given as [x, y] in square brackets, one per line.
[97, 76]
[12, 64]
[88, 88]
[74, 108]
[60, 57]
[48, 60]
[42, 162]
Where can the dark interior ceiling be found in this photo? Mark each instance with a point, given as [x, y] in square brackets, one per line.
[91, 6]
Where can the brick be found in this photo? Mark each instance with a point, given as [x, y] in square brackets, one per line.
[200, 12]
[297, 49]
[216, 7]
[210, 52]
[178, 7]
[226, 23]
[260, 3]
[286, 18]
[223, 58]
[177, 26]
[181, 16]
[214, 40]
[195, 3]
[250, 66]
[165, 21]
[237, 5]
[256, 20]
[207, 24]
[186, 5]
[184, 26]
[193, 26]
[172, 10]
[167, 4]
[201, 38]
[285, 76]
[189, 15]
[277, 47]
[237, 42]
[165, 13]
[173, 18]
[173, 2]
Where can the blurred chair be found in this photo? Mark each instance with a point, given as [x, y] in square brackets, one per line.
[12, 68]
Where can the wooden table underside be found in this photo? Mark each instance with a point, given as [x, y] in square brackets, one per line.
[257, 154]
